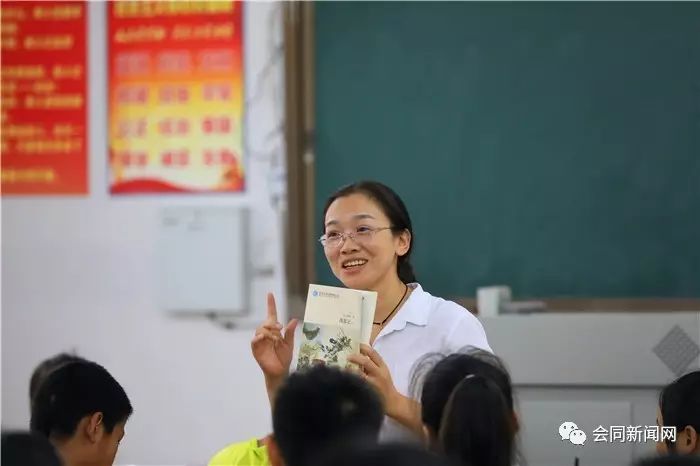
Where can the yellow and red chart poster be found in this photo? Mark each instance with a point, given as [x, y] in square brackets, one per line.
[44, 101]
[175, 96]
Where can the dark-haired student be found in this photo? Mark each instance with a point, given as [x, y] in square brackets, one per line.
[46, 367]
[315, 410]
[82, 410]
[321, 408]
[670, 460]
[467, 408]
[368, 238]
[27, 449]
[679, 407]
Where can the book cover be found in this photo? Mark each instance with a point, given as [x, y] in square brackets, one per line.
[336, 321]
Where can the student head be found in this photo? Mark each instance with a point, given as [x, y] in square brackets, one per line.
[381, 455]
[45, 367]
[467, 409]
[670, 460]
[383, 236]
[82, 410]
[27, 449]
[318, 408]
[679, 407]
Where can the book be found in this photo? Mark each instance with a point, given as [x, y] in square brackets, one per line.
[336, 321]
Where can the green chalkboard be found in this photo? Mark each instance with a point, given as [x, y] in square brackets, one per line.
[553, 147]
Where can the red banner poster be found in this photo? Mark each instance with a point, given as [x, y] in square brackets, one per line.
[175, 96]
[44, 97]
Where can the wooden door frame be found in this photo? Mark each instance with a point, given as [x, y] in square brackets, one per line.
[300, 237]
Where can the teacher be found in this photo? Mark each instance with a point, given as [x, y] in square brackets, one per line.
[368, 240]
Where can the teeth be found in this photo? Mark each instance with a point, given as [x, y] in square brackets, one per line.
[355, 263]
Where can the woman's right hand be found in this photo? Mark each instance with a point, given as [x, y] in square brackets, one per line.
[273, 345]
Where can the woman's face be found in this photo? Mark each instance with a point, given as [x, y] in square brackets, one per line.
[365, 261]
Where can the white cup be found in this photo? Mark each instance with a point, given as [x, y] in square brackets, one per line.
[489, 299]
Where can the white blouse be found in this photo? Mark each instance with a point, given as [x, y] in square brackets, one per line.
[424, 324]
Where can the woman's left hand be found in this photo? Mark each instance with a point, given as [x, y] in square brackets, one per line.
[376, 372]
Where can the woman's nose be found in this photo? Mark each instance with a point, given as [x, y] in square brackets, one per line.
[348, 244]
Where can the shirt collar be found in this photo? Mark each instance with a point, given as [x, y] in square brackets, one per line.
[414, 311]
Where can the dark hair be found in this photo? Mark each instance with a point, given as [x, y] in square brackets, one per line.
[388, 454]
[679, 403]
[321, 406]
[76, 390]
[27, 449]
[467, 404]
[393, 207]
[477, 426]
[45, 367]
[670, 460]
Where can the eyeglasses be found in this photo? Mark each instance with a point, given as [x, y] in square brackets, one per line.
[362, 235]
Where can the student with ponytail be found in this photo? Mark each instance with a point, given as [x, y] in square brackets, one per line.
[368, 238]
[467, 408]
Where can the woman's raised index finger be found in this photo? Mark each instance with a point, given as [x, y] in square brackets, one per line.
[271, 308]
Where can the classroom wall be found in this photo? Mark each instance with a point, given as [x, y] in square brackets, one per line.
[594, 369]
[79, 274]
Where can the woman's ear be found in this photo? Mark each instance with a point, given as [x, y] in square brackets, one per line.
[404, 243]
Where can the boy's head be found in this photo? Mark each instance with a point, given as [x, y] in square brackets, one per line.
[679, 407]
[319, 408]
[45, 367]
[82, 409]
[27, 449]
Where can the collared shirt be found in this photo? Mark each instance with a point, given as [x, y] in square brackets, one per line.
[424, 324]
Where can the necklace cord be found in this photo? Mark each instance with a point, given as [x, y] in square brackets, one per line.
[381, 324]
